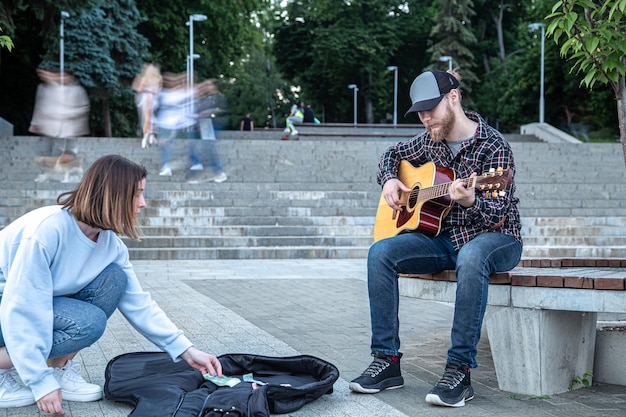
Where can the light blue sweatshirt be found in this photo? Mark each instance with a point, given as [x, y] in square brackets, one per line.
[44, 254]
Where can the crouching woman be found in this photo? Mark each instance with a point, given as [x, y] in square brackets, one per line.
[63, 272]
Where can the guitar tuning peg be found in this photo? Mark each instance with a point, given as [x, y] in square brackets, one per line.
[492, 170]
[502, 193]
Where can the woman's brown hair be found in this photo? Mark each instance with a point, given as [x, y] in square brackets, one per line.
[105, 197]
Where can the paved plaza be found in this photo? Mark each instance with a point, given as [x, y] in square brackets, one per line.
[316, 307]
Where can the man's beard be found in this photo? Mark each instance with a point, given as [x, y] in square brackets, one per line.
[445, 126]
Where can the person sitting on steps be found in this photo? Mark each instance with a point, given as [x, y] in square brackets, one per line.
[295, 116]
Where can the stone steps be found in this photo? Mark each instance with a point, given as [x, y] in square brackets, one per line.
[318, 198]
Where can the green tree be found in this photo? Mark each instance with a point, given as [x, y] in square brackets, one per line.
[101, 48]
[221, 40]
[104, 51]
[324, 45]
[455, 38]
[594, 39]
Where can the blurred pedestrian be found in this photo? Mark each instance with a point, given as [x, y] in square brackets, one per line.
[173, 116]
[147, 86]
[247, 123]
[62, 112]
[212, 113]
[61, 106]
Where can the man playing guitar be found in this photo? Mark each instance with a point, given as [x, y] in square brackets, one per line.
[476, 233]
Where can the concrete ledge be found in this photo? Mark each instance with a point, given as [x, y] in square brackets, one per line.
[539, 352]
[547, 133]
[6, 128]
[609, 366]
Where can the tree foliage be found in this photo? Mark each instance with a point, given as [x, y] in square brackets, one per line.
[224, 37]
[594, 39]
[5, 41]
[314, 49]
[324, 45]
[455, 38]
[104, 51]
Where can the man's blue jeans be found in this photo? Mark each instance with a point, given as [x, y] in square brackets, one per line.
[418, 253]
[80, 319]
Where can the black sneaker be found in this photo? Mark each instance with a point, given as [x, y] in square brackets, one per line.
[383, 373]
[454, 387]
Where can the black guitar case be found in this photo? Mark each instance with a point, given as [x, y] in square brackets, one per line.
[158, 387]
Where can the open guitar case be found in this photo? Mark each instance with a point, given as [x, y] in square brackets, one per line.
[158, 387]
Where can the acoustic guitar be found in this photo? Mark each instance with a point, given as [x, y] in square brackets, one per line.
[428, 202]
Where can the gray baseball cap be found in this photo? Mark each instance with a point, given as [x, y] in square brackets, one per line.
[429, 88]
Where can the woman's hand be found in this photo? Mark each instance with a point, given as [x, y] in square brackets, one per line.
[203, 362]
[51, 403]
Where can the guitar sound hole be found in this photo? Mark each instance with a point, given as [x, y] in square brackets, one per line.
[413, 198]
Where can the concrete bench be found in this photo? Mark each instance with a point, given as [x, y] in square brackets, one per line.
[541, 317]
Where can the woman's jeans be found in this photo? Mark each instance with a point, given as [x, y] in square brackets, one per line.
[208, 151]
[418, 253]
[80, 319]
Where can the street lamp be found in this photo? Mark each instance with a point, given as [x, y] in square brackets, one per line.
[62, 46]
[447, 58]
[535, 26]
[191, 57]
[193, 18]
[356, 89]
[195, 56]
[395, 93]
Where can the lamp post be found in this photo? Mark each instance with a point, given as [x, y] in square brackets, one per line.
[193, 18]
[355, 89]
[189, 64]
[395, 93]
[191, 57]
[62, 46]
[535, 26]
[447, 58]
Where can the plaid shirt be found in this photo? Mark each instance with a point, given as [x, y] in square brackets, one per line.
[487, 149]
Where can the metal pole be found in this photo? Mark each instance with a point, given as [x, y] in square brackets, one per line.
[355, 104]
[190, 75]
[542, 26]
[541, 94]
[355, 89]
[395, 93]
[62, 46]
[190, 52]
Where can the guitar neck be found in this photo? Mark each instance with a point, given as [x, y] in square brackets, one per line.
[439, 190]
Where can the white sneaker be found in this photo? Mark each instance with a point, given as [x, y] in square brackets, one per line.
[287, 130]
[294, 132]
[220, 178]
[165, 171]
[196, 167]
[73, 385]
[13, 393]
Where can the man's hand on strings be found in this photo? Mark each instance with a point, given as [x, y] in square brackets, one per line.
[392, 191]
